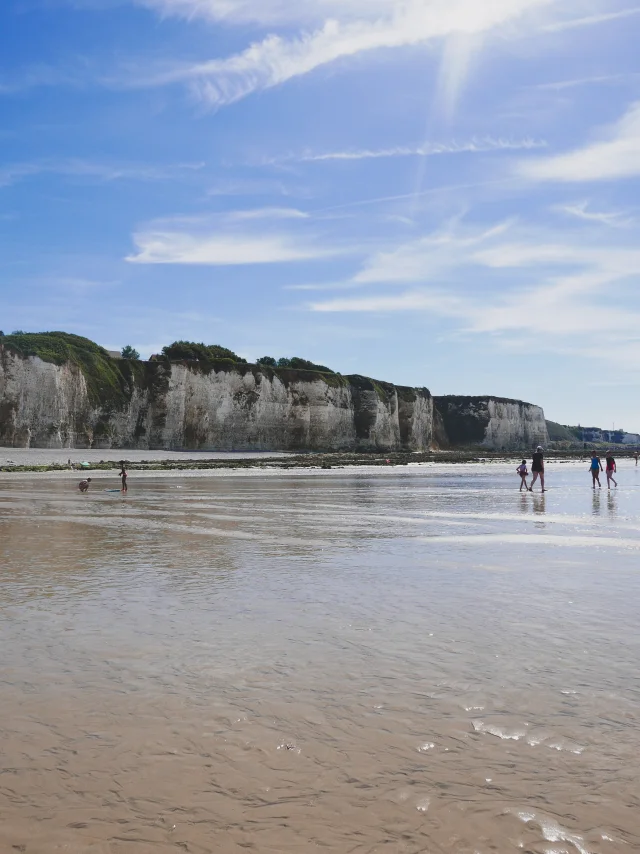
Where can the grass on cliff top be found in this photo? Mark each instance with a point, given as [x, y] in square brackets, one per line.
[108, 380]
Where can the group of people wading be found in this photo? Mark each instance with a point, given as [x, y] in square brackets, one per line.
[537, 470]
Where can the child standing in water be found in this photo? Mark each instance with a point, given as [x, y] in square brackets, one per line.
[611, 470]
[595, 469]
[523, 472]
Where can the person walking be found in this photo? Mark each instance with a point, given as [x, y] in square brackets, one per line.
[611, 470]
[537, 468]
[595, 469]
[123, 478]
[523, 472]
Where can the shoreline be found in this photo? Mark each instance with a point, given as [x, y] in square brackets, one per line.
[280, 461]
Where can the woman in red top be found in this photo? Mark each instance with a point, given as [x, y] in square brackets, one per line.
[611, 470]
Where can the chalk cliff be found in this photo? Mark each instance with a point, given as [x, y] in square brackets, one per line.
[492, 422]
[76, 396]
[218, 406]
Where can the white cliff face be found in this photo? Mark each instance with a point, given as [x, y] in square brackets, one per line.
[494, 423]
[513, 425]
[40, 403]
[180, 406]
[188, 406]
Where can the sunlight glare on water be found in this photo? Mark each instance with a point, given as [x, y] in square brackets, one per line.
[418, 659]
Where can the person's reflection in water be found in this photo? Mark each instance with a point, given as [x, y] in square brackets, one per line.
[611, 505]
[540, 503]
[525, 504]
[596, 503]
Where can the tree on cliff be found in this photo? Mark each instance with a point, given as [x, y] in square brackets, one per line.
[299, 364]
[129, 352]
[269, 361]
[192, 352]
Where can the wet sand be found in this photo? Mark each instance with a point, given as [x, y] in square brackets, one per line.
[399, 660]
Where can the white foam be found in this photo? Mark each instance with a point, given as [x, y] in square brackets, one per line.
[553, 832]
[423, 804]
[499, 732]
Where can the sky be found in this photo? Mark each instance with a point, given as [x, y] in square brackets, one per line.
[440, 193]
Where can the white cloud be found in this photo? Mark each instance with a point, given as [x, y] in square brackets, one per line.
[557, 290]
[270, 12]
[269, 213]
[616, 156]
[157, 247]
[234, 238]
[276, 59]
[473, 146]
[439, 303]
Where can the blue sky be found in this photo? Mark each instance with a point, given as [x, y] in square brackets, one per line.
[431, 192]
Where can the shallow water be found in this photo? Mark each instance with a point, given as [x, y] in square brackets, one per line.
[419, 659]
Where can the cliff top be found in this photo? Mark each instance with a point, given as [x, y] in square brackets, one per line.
[110, 381]
[479, 398]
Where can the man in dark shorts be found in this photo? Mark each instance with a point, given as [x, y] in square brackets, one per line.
[123, 478]
[537, 467]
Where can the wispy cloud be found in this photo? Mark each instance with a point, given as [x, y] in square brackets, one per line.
[13, 173]
[580, 210]
[591, 20]
[616, 156]
[554, 289]
[230, 239]
[473, 146]
[268, 213]
[276, 59]
[559, 85]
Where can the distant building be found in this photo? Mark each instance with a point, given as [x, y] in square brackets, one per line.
[115, 354]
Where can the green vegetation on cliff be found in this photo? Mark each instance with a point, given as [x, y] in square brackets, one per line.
[560, 433]
[192, 352]
[295, 362]
[109, 381]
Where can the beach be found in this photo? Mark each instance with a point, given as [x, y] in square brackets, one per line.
[406, 659]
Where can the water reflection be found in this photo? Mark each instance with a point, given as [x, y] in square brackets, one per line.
[341, 661]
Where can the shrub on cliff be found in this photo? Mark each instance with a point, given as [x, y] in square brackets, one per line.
[193, 352]
[129, 352]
